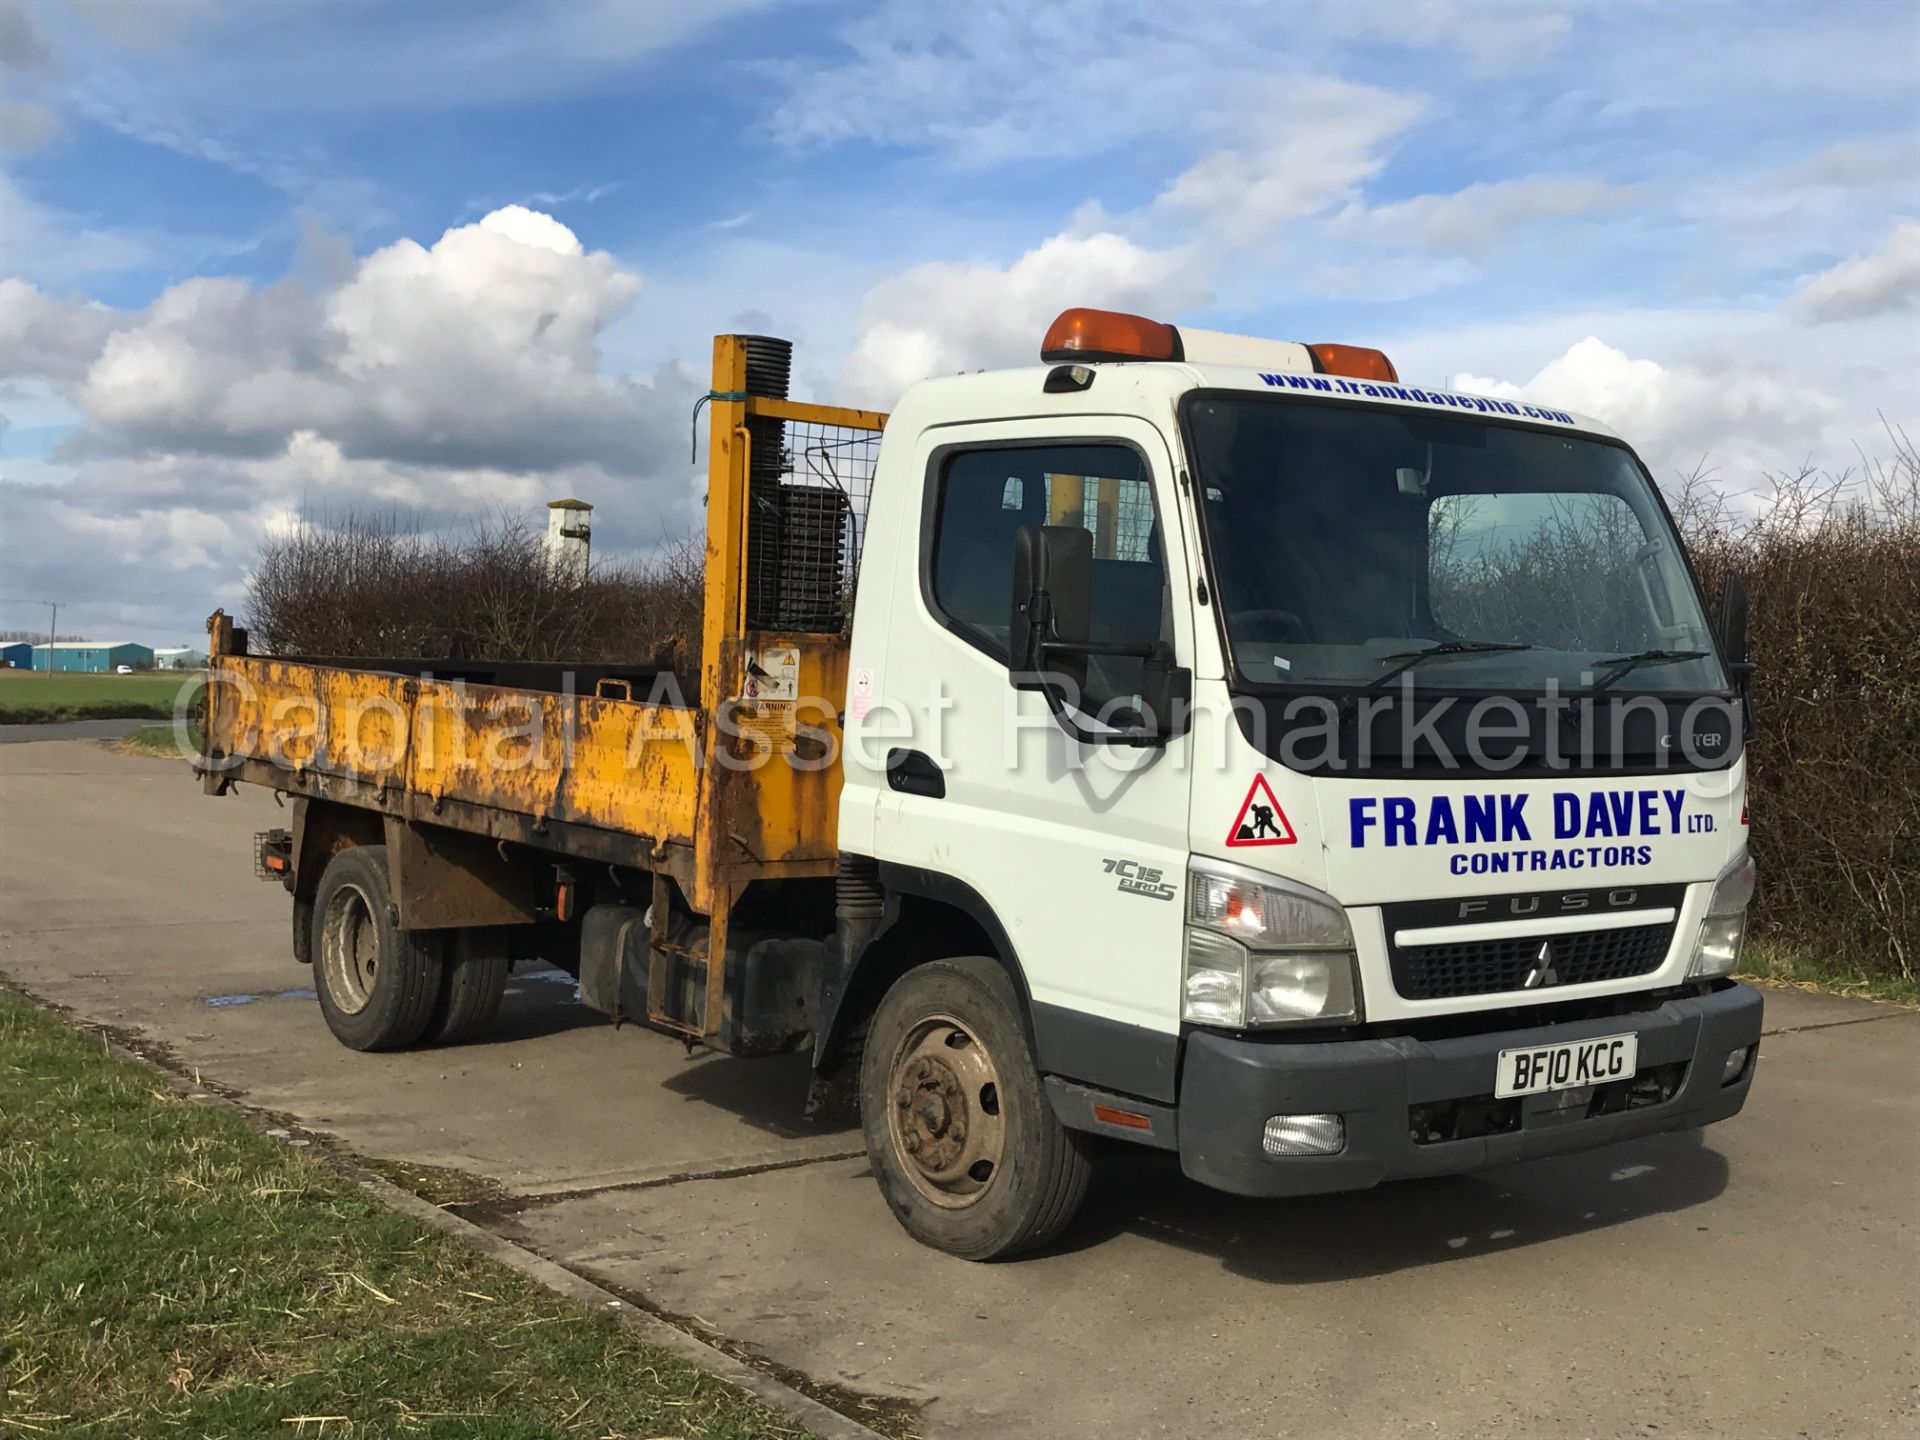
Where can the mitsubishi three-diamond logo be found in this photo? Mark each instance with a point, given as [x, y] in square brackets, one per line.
[1542, 971]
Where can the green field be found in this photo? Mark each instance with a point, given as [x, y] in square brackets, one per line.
[28, 697]
[164, 1269]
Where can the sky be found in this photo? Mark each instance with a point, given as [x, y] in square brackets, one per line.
[268, 261]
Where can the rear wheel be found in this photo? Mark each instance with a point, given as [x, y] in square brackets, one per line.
[476, 966]
[377, 983]
[959, 1131]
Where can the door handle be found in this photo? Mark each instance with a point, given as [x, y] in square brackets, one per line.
[912, 773]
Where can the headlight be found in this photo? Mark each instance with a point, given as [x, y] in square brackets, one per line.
[1262, 952]
[1718, 949]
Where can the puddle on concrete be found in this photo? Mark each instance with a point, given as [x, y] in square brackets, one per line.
[222, 1002]
[517, 984]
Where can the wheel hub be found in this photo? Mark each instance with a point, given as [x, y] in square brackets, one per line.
[945, 1116]
[349, 949]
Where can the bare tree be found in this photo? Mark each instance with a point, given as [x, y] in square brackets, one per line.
[368, 585]
[1831, 564]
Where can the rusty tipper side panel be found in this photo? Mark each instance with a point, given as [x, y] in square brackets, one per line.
[600, 777]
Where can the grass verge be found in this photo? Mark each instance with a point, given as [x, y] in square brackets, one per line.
[158, 741]
[165, 1269]
[1775, 962]
[29, 698]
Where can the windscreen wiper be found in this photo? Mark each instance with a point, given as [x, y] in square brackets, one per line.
[1409, 658]
[1621, 666]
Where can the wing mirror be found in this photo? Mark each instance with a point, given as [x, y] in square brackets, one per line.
[1049, 640]
[1052, 606]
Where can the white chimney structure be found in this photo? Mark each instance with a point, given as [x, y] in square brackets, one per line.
[569, 534]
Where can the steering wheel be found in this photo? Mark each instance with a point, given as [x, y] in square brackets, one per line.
[1266, 626]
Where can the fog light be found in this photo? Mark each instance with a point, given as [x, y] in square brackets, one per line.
[1736, 1065]
[1304, 1135]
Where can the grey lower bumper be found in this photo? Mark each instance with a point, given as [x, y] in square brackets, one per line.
[1229, 1087]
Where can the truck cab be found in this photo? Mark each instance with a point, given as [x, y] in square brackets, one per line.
[1338, 779]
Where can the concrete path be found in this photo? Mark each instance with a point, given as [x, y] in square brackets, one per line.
[1759, 1279]
[74, 730]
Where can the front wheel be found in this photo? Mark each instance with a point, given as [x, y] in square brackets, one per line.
[959, 1131]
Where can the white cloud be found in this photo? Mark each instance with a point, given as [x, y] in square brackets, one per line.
[1883, 279]
[1491, 37]
[1322, 141]
[1855, 164]
[1002, 81]
[434, 380]
[480, 350]
[143, 24]
[26, 125]
[246, 58]
[50, 339]
[995, 81]
[945, 317]
[20, 43]
[55, 247]
[1734, 417]
[1473, 220]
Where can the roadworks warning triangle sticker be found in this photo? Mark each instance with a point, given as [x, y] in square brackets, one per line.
[1261, 821]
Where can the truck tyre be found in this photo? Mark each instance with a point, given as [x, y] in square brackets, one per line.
[377, 983]
[303, 929]
[476, 964]
[959, 1131]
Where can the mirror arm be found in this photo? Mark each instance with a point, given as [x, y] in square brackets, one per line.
[1138, 737]
[1100, 647]
[1056, 707]
[1743, 689]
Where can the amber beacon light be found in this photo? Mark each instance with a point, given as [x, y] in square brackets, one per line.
[1354, 361]
[1081, 334]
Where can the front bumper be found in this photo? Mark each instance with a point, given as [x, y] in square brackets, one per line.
[1229, 1087]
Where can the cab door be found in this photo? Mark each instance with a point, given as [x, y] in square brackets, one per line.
[1078, 851]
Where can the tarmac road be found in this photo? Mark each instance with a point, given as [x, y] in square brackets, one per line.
[1759, 1279]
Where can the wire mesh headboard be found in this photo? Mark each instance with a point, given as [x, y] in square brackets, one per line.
[807, 521]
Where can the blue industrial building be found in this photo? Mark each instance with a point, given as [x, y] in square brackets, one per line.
[93, 656]
[17, 656]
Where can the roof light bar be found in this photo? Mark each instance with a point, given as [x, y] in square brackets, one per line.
[1083, 334]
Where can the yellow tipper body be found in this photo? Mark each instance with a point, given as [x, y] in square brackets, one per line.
[737, 783]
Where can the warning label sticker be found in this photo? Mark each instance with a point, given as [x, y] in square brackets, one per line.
[1261, 821]
[773, 673]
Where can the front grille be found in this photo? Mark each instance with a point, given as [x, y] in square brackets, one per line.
[1490, 967]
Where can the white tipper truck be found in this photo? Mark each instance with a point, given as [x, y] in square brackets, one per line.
[1239, 752]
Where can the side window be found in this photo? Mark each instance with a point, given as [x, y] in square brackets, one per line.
[984, 496]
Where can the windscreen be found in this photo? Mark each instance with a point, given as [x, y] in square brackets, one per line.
[1345, 539]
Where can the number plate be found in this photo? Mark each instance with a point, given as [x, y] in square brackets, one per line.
[1564, 1067]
